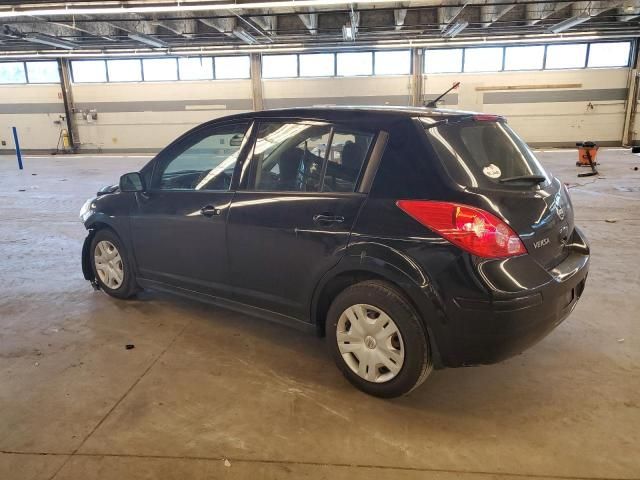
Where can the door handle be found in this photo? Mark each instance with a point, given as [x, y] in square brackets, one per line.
[209, 211]
[324, 219]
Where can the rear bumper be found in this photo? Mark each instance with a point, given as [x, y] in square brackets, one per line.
[484, 331]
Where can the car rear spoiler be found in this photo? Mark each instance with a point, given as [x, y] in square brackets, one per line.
[476, 117]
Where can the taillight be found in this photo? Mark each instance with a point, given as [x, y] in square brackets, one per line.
[486, 117]
[472, 229]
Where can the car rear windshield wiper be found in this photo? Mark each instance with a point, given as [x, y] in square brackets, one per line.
[525, 178]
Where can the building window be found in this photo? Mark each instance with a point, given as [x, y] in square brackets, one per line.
[12, 72]
[443, 61]
[279, 66]
[566, 56]
[195, 68]
[609, 54]
[232, 67]
[124, 70]
[355, 63]
[392, 63]
[524, 58]
[317, 65]
[158, 69]
[43, 72]
[485, 59]
[89, 71]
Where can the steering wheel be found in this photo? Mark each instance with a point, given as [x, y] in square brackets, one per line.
[223, 177]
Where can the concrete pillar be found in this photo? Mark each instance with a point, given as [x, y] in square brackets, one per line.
[417, 97]
[256, 81]
[67, 98]
[633, 97]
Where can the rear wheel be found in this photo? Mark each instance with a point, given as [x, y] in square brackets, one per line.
[377, 339]
[111, 265]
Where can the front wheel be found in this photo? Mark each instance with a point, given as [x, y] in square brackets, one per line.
[377, 339]
[111, 265]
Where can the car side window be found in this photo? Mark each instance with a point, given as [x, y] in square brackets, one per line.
[348, 152]
[289, 156]
[205, 162]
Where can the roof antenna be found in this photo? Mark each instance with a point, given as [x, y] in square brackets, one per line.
[434, 103]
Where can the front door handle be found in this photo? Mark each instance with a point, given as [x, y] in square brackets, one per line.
[209, 211]
[324, 219]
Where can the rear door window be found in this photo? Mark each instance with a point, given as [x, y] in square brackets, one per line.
[478, 152]
[348, 152]
[289, 156]
[308, 157]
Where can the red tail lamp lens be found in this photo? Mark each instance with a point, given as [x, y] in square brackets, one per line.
[470, 228]
[486, 117]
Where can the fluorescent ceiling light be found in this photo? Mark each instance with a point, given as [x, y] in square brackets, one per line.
[350, 29]
[569, 23]
[50, 40]
[123, 10]
[454, 29]
[349, 32]
[148, 40]
[243, 35]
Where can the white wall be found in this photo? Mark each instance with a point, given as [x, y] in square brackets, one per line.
[146, 116]
[550, 115]
[32, 109]
[303, 92]
[545, 107]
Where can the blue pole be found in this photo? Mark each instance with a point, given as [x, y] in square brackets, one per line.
[15, 140]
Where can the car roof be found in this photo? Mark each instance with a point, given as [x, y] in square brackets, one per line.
[347, 112]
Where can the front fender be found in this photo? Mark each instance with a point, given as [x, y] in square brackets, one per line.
[111, 212]
[97, 220]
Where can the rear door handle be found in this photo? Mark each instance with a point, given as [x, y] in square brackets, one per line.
[324, 219]
[209, 211]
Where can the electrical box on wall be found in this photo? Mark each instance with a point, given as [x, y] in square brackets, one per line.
[90, 115]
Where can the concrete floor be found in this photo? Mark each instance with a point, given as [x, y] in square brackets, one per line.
[208, 393]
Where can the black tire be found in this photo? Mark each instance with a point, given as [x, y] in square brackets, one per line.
[128, 286]
[417, 363]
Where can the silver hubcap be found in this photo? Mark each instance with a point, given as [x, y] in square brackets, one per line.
[109, 264]
[370, 343]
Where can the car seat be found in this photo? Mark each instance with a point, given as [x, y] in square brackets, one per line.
[352, 156]
[289, 169]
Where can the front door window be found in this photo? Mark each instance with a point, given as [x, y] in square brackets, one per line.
[205, 162]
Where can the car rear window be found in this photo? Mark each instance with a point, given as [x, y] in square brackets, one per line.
[481, 152]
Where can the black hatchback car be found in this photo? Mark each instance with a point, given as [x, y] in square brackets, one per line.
[413, 238]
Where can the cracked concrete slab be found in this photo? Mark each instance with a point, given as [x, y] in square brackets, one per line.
[30, 467]
[203, 384]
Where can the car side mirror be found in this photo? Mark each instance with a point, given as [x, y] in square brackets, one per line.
[236, 140]
[132, 182]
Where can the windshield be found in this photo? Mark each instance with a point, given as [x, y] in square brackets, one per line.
[477, 153]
